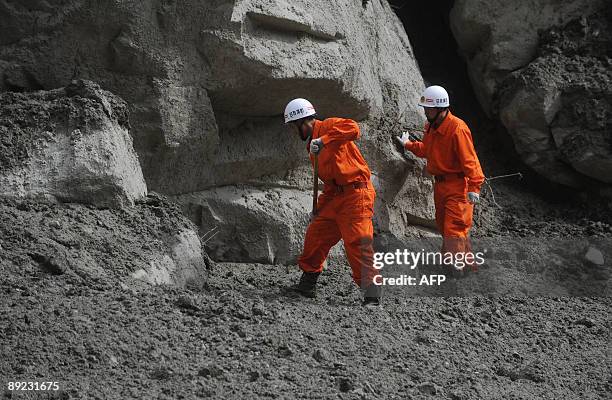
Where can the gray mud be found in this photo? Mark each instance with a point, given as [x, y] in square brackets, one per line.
[242, 335]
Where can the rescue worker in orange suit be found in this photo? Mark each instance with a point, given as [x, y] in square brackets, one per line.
[345, 207]
[452, 161]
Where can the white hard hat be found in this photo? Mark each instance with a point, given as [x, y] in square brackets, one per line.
[434, 96]
[298, 109]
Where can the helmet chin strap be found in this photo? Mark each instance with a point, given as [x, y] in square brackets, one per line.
[304, 138]
[434, 119]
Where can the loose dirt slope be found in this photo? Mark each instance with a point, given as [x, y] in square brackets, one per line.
[104, 335]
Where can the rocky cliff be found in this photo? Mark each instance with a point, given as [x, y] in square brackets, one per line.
[73, 200]
[543, 68]
[206, 83]
[70, 144]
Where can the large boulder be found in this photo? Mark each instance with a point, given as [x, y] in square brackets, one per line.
[206, 83]
[558, 109]
[497, 37]
[265, 220]
[71, 144]
[547, 76]
[151, 241]
[250, 224]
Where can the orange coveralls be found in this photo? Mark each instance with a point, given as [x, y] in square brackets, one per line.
[452, 160]
[345, 208]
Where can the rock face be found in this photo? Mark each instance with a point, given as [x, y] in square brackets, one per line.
[559, 108]
[264, 226]
[547, 76]
[206, 83]
[71, 144]
[73, 198]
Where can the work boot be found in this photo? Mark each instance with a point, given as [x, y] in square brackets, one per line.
[307, 285]
[372, 296]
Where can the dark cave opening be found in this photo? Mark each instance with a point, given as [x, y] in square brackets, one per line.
[437, 54]
[427, 26]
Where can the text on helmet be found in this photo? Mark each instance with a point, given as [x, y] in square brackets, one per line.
[296, 112]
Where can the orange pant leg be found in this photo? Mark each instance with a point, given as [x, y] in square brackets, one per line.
[454, 216]
[457, 223]
[355, 223]
[439, 205]
[322, 234]
[458, 214]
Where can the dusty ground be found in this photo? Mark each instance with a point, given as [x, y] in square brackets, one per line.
[241, 336]
[83, 241]
[243, 339]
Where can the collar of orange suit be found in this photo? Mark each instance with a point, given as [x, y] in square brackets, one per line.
[315, 129]
[443, 124]
[314, 134]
